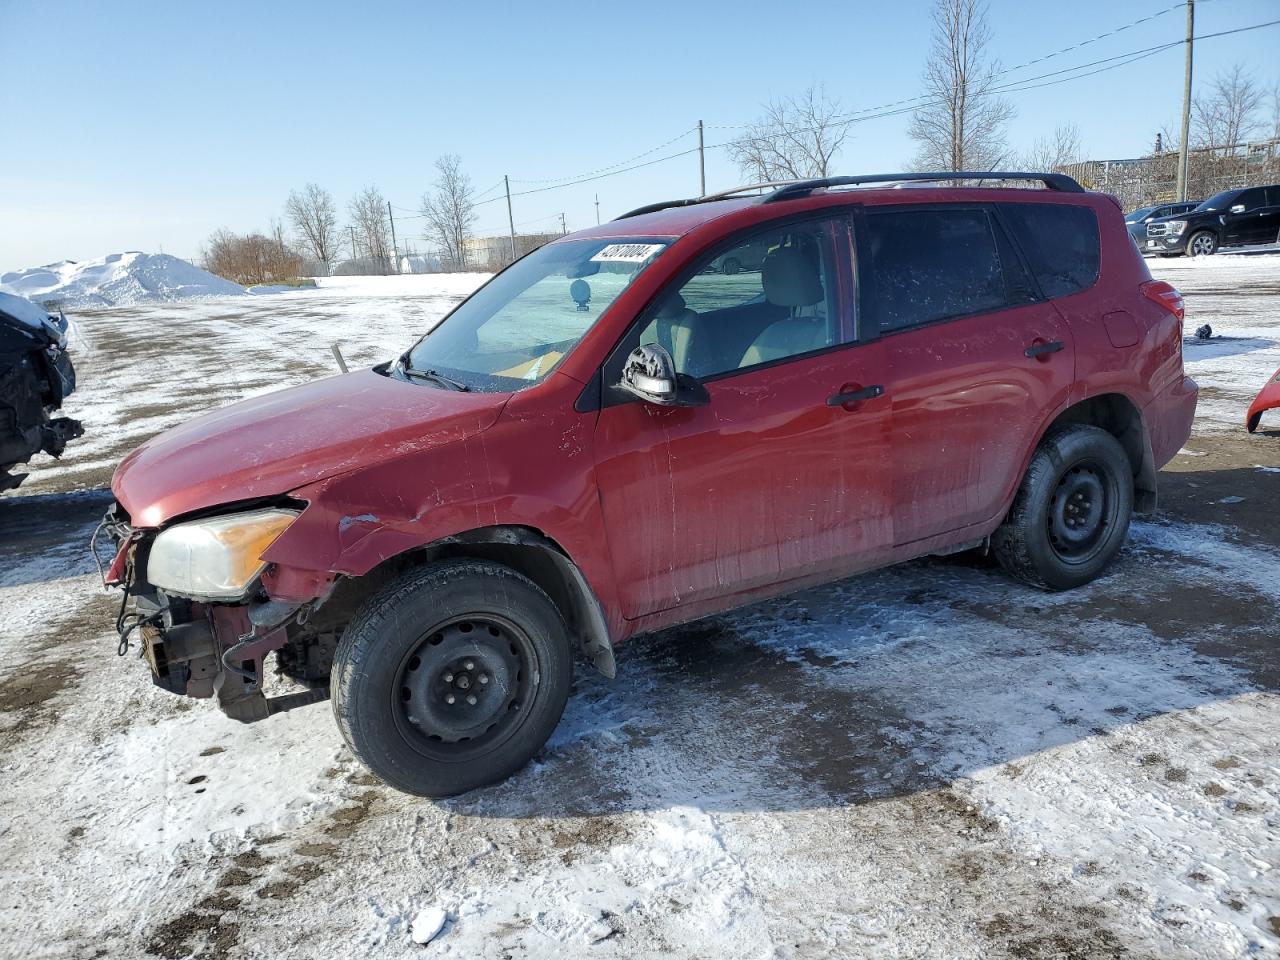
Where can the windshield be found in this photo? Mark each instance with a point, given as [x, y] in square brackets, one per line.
[1139, 214]
[1219, 201]
[514, 330]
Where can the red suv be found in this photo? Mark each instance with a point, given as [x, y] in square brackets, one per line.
[611, 436]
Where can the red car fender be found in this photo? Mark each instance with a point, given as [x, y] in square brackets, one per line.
[1268, 398]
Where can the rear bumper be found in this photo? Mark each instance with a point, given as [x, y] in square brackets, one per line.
[1168, 419]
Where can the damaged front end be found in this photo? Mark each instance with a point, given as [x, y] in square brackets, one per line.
[36, 375]
[206, 612]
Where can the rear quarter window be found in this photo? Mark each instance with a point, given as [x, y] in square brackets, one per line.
[1060, 243]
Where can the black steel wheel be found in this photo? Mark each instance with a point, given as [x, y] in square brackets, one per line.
[451, 677]
[1071, 514]
[1082, 510]
[459, 691]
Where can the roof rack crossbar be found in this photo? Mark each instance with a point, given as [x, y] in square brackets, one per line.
[1054, 181]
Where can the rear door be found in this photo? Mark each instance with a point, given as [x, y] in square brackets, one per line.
[770, 480]
[1269, 231]
[976, 359]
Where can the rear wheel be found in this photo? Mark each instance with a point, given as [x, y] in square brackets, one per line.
[451, 677]
[1071, 514]
[1202, 244]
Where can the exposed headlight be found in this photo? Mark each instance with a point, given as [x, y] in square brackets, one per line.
[1176, 227]
[215, 559]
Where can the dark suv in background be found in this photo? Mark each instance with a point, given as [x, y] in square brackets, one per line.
[1138, 220]
[1232, 218]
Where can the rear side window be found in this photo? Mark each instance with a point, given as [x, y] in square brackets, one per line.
[928, 265]
[1060, 242]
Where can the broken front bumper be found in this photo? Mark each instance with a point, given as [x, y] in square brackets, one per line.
[195, 648]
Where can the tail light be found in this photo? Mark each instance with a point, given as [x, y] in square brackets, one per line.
[1167, 295]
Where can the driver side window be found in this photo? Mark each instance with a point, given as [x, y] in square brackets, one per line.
[766, 298]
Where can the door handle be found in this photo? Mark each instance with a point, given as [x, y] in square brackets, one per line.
[1043, 349]
[866, 393]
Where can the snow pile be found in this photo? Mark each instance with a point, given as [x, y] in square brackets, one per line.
[120, 279]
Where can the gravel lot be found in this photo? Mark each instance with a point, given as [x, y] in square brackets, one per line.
[928, 761]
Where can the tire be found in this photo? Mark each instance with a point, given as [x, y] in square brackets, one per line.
[504, 648]
[731, 266]
[1203, 243]
[1071, 514]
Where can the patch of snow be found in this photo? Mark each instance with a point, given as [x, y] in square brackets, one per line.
[120, 279]
[427, 925]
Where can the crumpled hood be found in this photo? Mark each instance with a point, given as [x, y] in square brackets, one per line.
[270, 445]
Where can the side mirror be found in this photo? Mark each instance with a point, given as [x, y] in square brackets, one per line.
[1238, 208]
[650, 374]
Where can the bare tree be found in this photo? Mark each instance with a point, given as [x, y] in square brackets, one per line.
[450, 212]
[1227, 113]
[368, 213]
[314, 220]
[252, 258]
[1059, 150]
[961, 124]
[795, 139]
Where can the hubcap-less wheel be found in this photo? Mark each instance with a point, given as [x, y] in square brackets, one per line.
[1202, 245]
[1081, 512]
[461, 689]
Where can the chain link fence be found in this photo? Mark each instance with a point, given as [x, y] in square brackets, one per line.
[1147, 181]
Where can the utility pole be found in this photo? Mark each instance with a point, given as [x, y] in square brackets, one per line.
[563, 228]
[702, 164]
[395, 253]
[597, 209]
[1183, 156]
[511, 221]
[353, 242]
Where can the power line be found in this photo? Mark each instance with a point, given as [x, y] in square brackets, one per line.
[620, 163]
[898, 107]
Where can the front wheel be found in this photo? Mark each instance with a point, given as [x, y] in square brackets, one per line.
[451, 677]
[1202, 244]
[1071, 514]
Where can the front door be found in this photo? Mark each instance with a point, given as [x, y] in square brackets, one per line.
[1248, 225]
[773, 479]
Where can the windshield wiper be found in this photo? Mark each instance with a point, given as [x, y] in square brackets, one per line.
[431, 375]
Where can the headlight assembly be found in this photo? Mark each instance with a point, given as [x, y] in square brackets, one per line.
[215, 559]
[1176, 227]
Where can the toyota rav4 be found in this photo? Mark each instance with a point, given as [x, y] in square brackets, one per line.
[610, 437]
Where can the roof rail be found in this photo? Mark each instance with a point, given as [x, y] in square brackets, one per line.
[708, 198]
[1054, 181]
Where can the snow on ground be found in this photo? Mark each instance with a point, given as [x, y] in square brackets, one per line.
[120, 279]
[1238, 295]
[927, 761]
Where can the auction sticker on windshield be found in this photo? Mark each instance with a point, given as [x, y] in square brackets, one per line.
[627, 252]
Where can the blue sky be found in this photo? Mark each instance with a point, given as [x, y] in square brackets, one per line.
[133, 125]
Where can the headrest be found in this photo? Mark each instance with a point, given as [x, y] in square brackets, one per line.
[790, 278]
[671, 306]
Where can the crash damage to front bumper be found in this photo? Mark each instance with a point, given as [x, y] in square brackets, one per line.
[199, 648]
